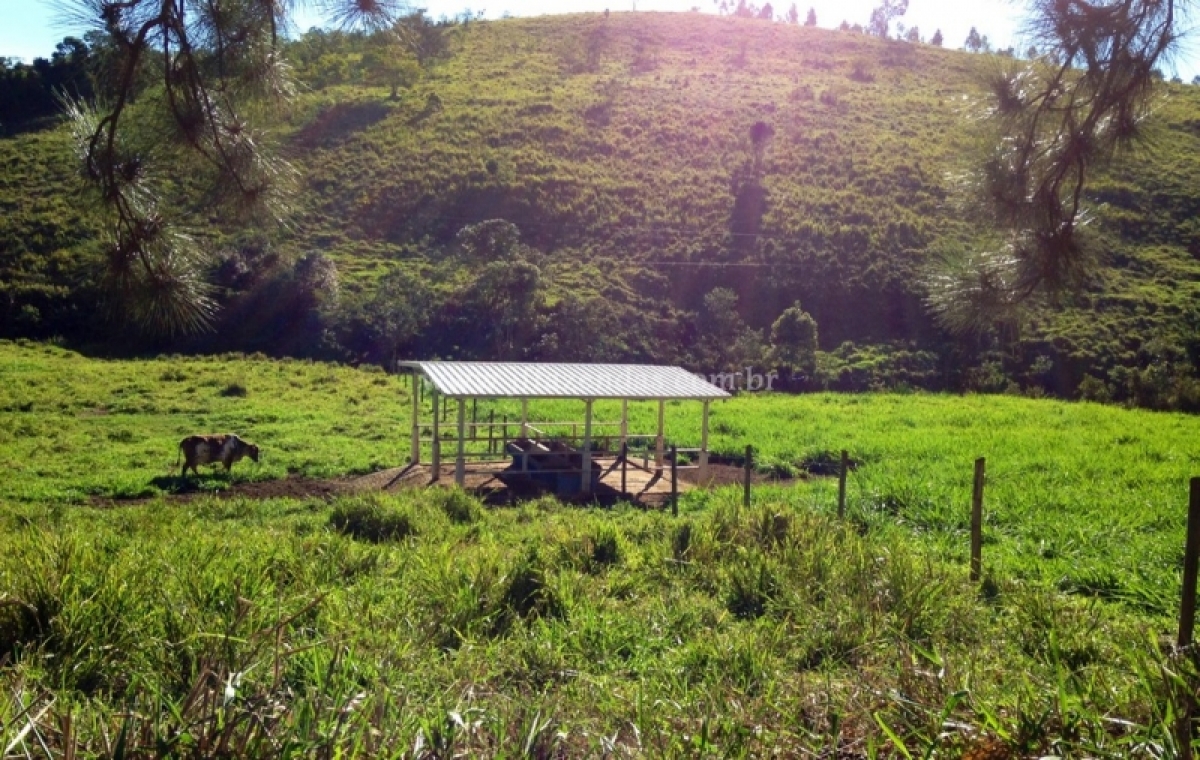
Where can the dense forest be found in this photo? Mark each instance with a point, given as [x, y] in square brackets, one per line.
[720, 192]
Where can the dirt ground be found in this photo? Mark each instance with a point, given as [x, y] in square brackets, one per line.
[648, 487]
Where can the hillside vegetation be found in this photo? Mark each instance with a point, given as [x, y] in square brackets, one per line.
[645, 161]
[425, 624]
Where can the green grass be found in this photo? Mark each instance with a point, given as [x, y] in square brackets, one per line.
[1085, 497]
[720, 633]
[424, 622]
[71, 427]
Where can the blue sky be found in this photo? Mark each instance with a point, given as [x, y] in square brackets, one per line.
[31, 28]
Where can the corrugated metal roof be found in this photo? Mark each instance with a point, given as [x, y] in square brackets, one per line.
[583, 381]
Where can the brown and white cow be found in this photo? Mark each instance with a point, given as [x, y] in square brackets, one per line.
[210, 449]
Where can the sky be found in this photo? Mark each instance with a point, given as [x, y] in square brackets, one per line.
[31, 28]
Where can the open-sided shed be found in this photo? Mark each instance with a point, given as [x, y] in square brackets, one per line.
[465, 381]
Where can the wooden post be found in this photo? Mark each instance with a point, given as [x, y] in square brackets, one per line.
[749, 468]
[704, 445]
[585, 472]
[1191, 563]
[491, 431]
[624, 464]
[624, 422]
[674, 483]
[436, 462]
[474, 416]
[524, 418]
[460, 463]
[842, 483]
[415, 453]
[977, 520]
[504, 431]
[1187, 616]
[658, 448]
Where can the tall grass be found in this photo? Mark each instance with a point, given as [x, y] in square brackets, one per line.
[247, 628]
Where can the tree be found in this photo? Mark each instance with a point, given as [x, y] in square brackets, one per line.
[913, 35]
[936, 40]
[794, 340]
[974, 42]
[793, 15]
[392, 68]
[203, 76]
[505, 298]
[720, 326]
[1054, 121]
[811, 18]
[883, 16]
[424, 38]
[761, 134]
[491, 240]
[379, 327]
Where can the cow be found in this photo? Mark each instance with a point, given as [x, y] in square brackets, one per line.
[210, 449]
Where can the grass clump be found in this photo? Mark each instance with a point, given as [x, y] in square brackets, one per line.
[459, 506]
[528, 595]
[372, 519]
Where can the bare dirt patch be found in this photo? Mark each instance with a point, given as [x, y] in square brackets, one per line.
[647, 487]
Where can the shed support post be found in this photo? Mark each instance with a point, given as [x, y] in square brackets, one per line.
[586, 474]
[704, 445]
[436, 463]
[524, 418]
[658, 445]
[624, 422]
[460, 464]
[415, 455]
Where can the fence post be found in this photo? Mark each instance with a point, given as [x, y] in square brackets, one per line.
[1187, 615]
[842, 484]
[977, 520]
[749, 468]
[1191, 563]
[492, 431]
[624, 464]
[674, 482]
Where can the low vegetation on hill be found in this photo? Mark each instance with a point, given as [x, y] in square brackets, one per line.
[137, 623]
[647, 187]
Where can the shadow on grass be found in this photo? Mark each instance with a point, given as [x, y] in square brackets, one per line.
[338, 123]
[180, 484]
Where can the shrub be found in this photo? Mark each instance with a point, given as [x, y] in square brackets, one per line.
[372, 520]
[860, 72]
[234, 390]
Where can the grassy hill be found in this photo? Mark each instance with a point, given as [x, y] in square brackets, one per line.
[424, 624]
[620, 146]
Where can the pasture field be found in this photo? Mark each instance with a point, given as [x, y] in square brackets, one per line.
[423, 624]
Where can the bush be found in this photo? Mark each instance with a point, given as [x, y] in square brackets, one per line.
[1094, 389]
[372, 520]
[234, 390]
